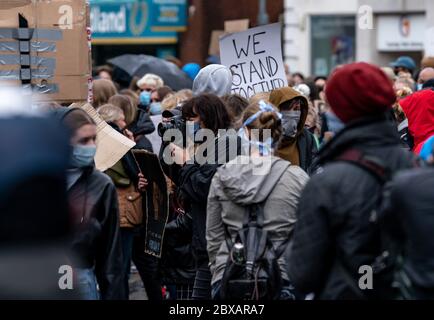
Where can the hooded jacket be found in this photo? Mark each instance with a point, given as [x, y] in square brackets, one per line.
[302, 149]
[268, 180]
[419, 109]
[333, 230]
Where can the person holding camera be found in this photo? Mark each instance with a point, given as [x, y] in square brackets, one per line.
[205, 111]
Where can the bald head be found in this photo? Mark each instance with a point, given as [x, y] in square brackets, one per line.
[425, 75]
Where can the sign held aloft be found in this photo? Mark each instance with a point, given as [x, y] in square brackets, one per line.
[255, 59]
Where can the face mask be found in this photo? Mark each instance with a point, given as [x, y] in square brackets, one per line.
[290, 121]
[82, 156]
[193, 128]
[145, 98]
[419, 86]
[155, 108]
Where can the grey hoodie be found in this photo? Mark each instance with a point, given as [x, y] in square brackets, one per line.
[246, 181]
[215, 79]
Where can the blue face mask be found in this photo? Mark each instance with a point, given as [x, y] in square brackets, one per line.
[83, 156]
[419, 86]
[145, 98]
[193, 128]
[155, 108]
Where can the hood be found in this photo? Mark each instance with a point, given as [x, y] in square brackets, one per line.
[363, 133]
[247, 180]
[419, 109]
[214, 79]
[282, 95]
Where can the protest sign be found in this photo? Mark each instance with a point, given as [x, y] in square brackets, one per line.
[255, 59]
[429, 42]
[157, 201]
[232, 26]
[111, 145]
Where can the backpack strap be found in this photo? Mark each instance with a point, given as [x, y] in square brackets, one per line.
[371, 164]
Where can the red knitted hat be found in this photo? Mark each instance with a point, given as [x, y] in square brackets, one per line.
[358, 90]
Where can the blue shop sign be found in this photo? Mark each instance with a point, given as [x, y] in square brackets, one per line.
[129, 21]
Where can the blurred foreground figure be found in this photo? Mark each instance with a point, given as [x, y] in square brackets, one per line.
[337, 231]
[34, 221]
[94, 211]
[409, 216]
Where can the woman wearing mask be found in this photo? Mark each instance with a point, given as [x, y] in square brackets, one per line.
[130, 186]
[205, 111]
[257, 178]
[297, 144]
[94, 209]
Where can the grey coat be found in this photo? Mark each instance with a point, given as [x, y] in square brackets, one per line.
[245, 181]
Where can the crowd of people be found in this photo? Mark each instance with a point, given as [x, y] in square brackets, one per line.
[327, 175]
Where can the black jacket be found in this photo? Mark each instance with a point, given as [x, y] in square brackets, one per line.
[194, 184]
[96, 241]
[177, 262]
[409, 217]
[307, 149]
[333, 229]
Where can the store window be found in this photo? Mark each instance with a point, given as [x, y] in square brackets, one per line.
[332, 42]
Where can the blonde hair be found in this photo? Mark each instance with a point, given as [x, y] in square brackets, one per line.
[103, 90]
[172, 100]
[110, 113]
[265, 96]
[267, 120]
[125, 103]
[151, 80]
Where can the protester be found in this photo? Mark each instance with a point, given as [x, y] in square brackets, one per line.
[157, 97]
[297, 145]
[298, 78]
[401, 119]
[336, 232]
[235, 105]
[248, 180]
[207, 112]
[103, 90]
[35, 222]
[213, 79]
[150, 82]
[424, 76]
[405, 64]
[130, 186]
[104, 72]
[418, 108]
[95, 214]
[408, 217]
[125, 104]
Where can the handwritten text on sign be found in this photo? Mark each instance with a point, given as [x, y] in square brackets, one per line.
[255, 59]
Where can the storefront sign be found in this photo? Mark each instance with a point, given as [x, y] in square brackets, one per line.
[401, 33]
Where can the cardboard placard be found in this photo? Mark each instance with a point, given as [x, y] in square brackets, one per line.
[233, 26]
[255, 59]
[111, 145]
[214, 43]
[157, 201]
[70, 51]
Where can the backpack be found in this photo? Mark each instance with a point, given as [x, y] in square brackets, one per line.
[252, 271]
[389, 264]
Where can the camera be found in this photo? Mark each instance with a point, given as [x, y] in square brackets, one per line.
[174, 123]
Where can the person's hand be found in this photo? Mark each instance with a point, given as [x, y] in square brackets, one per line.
[128, 134]
[328, 136]
[179, 155]
[143, 183]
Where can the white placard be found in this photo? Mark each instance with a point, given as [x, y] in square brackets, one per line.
[255, 59]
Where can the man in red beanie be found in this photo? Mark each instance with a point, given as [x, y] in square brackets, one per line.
[336, 232]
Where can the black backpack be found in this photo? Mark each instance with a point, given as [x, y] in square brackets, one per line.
[388, 266]
[252, 271]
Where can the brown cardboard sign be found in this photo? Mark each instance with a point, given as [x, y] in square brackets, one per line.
[214, 47]
[233, 26]
[64, 59]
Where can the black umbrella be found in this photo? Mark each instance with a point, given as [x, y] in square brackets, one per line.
[139, 65]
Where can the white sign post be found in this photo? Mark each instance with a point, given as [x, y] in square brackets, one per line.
[255, 59]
